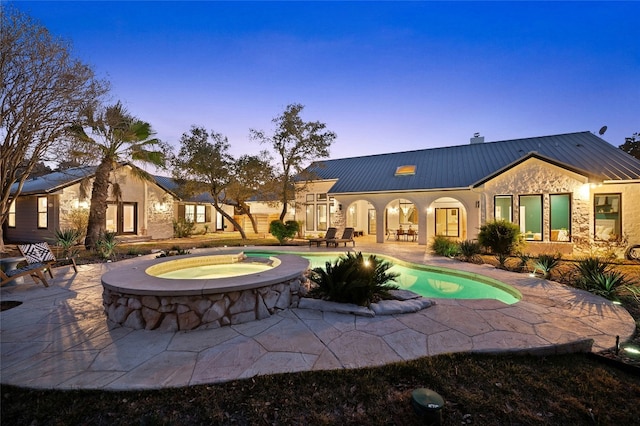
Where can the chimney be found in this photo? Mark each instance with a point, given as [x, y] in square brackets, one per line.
[477, 138]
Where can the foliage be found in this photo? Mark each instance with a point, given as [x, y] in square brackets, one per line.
[545, 264]
[470, 250]
[204, 165]
[631, 145]
[67, 238]
[500, 236]
[502, 260]
[296, 143]
[109, 136]
[252, 178]
[42, 89]
[524, 260]
[600, 278]
[284, 231]
[443, 246]
[183, 228]
[354, 279]
[106, 245]
[79, 220]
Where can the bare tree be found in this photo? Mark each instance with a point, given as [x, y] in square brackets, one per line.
[205, 165]
[42, 89]
[296, 143]
[106, 137]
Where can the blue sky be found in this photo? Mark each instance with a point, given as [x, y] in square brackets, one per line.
[385, 76]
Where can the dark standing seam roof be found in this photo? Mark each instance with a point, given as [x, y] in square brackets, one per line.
[465, 165]
[55, 181]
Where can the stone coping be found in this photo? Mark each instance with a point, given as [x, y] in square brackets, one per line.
[133, 279]
[403, 302]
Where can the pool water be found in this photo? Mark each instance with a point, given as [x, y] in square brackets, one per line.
[429, 281]
[215, 271]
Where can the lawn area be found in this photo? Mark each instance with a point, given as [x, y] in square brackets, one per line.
[478, 389]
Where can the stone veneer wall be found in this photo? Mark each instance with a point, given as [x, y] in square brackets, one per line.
[173, 313]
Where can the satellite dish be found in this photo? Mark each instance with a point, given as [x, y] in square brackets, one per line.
[602, 130]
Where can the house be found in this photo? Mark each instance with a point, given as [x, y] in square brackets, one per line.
[50, 202]
[145, 210]
[568, 193]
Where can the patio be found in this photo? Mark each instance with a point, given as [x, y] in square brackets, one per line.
[59, 338]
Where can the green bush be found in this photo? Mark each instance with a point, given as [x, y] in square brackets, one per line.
[284, 231]
[470, 250]
[599, 278]
[524, 258]
[353, 279]
[183, 228]
[587, 269]
[443, 246]
[500, 236]
[67, 238]
[106, 245]
[546, 263]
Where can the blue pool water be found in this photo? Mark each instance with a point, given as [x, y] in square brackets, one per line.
[427, 281]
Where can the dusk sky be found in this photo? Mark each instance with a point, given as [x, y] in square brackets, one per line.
[385, 76]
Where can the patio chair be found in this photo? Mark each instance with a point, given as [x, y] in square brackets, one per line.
[41, 254]
[347, 237]
[330, 235]
[35, 271]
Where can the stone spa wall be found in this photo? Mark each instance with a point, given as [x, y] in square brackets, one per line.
[173, 313]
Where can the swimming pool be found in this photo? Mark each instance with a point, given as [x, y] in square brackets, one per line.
[425, 280]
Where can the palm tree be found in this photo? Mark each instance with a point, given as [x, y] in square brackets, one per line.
[108, 137]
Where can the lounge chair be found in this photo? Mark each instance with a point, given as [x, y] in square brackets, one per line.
[330, 235]
[41, 254]
[347, 237]
[35, 271]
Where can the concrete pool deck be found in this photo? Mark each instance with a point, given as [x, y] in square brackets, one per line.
[59, 337]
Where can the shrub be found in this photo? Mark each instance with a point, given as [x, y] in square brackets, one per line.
[443, 246]
[183, 228]
[587, 269]
[353, 279]
[284, 231]
[608, 284]
[546, 263]
[470, 250]
[106, 245]
[500, 236]
[67, 238]
[598, 277]
[79, 220]
[502, 260]
[524, 258]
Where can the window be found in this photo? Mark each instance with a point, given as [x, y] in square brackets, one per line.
[560, 217]
[408, 170]
[321, 197]
[190, 213]
[310, 198]
[200, 214]
[11, 220]
[447, 222]
[502, 207]
[322, 217]
[42, 212]
[608, 224]
[122, 218]
[352, 216]
[531, 217]
[310, 222]
[408, 213]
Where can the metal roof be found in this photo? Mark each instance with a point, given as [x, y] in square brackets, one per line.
[468, 165]
[54, 181]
